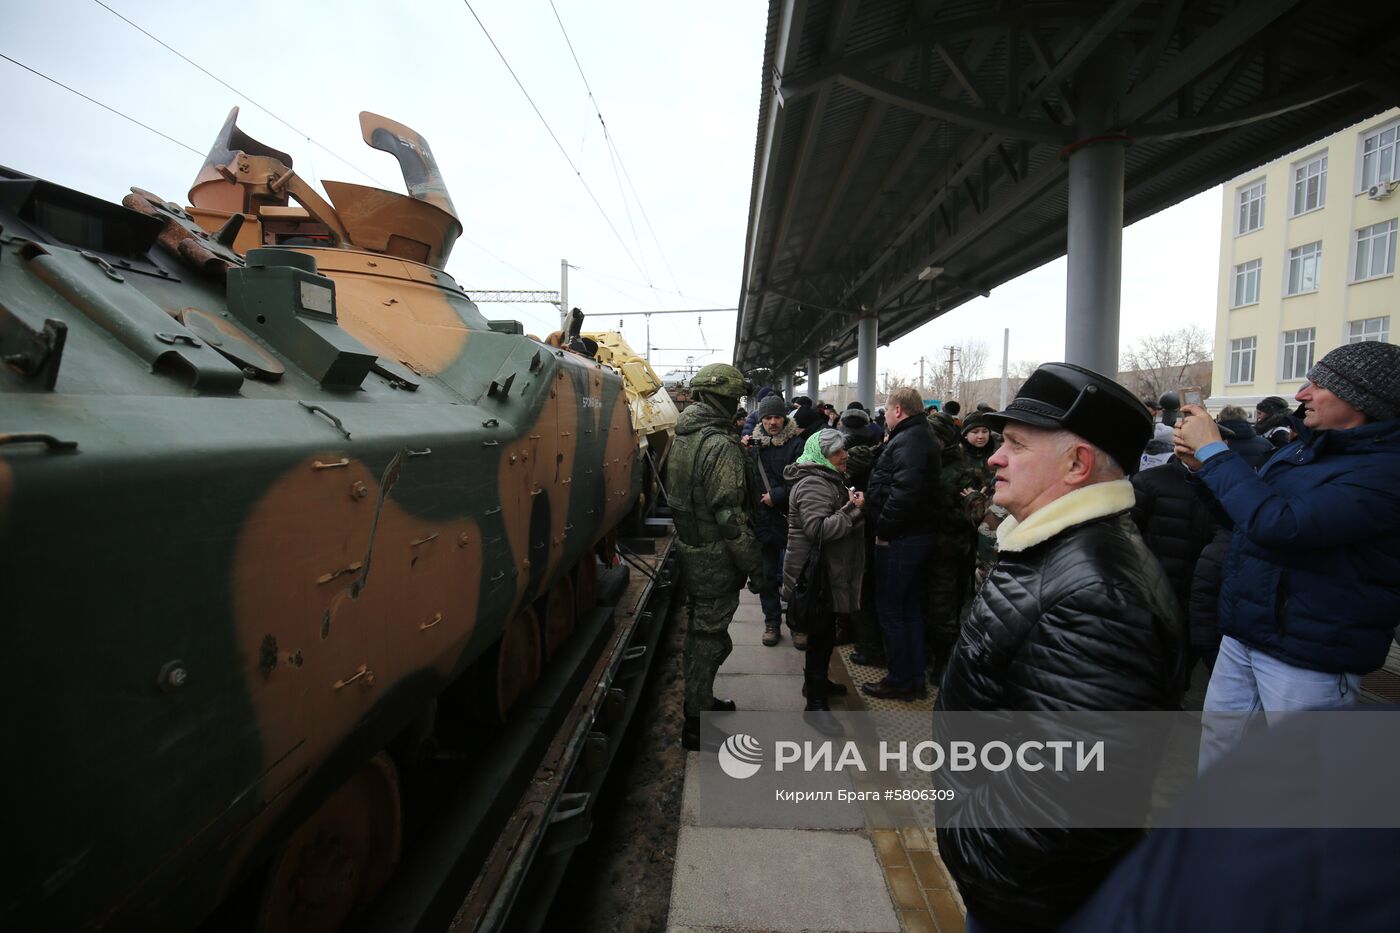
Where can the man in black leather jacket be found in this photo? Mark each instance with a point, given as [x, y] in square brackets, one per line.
[1076, 615]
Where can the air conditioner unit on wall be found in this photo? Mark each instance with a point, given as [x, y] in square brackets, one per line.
[1380, 191]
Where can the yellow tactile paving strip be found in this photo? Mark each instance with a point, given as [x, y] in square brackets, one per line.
[923, 895]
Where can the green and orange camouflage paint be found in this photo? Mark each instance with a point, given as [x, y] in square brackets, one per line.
[255, 516]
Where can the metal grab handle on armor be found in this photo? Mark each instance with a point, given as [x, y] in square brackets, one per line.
[318, 410]
[364, 674]
[53, 444]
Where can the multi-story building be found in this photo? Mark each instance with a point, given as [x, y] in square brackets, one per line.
[1307, 260]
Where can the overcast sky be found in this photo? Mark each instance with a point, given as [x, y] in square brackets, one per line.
[678, 85]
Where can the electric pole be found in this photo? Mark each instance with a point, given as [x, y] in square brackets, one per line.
[563, 295]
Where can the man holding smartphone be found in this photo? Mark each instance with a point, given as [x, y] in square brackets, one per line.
[1311, 584]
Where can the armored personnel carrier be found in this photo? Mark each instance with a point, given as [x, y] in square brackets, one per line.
[274, 494]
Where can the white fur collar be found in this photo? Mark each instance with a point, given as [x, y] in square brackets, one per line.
[1073, 508]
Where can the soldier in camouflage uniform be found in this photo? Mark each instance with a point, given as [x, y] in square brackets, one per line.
[954, 563]
[711, 496]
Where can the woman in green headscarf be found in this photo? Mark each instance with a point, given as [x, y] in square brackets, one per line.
[820, 507]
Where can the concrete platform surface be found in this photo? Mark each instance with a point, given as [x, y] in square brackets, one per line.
[778, 879]
[775, 692]
[816, 869]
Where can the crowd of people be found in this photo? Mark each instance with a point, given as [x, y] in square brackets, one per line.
[1080, 550]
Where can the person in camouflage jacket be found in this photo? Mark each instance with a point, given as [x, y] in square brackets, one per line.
[954, 564]
[711, 492]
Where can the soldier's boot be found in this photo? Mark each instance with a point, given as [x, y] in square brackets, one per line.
[772, 634]
[690, 736]
[844, 635]
[799, 641]
[723, 706]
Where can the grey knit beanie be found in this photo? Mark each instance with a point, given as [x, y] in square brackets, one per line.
[1364, 375]
[771, 405]
[831, 441]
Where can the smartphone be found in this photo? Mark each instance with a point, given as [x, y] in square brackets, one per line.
[1191, 395]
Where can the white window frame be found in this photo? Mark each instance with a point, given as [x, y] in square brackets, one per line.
[1242, 199]
[1244, 274]
[1363, 244]
[1304, 174]
[1289, 368]
[1391, 148]
[1359, 331]
[1301, 255]
[1238, 350]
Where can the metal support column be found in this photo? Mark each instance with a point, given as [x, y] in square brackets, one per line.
[1094, 279]
[867, 332]
[787, 388]
[814, 367]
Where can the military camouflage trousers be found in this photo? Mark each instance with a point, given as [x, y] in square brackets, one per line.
[707, 644]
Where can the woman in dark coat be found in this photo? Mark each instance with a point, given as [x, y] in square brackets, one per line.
[821, 508]
[978, 445]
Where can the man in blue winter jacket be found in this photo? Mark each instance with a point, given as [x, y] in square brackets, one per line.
[1311, 584]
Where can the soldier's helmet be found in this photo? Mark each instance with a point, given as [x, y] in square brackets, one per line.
[721, 379]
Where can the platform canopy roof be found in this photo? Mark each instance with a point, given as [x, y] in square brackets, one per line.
[912, 154]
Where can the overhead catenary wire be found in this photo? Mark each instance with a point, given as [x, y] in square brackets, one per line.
[334, 154]
[552, 135]
[592, 273]
[614, 157]
[287, 123]
[108, 108]
[617, 154]
[206, 71]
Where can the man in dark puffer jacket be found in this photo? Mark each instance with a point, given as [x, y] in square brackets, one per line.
[1176, 526]
[1076, 615]
[905, 502]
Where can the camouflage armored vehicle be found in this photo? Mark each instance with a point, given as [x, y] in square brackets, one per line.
[270, 484]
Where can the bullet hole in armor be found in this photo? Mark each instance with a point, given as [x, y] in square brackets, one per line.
[325, 625]
[267, 655]
[296, 660]
[262, 319]
[558, 458]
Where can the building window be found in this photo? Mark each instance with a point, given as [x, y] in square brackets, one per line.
[1304, 266]
[1373, 328]
[1310, 185]
[1241, 360]
[1375, 251]
[1378, 156]
[1251, 208]
[1246, 290]
[1297, 353]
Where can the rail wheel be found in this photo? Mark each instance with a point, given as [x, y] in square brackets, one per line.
[338, 859]
[586, 584]
[558, 615]
[518, 661]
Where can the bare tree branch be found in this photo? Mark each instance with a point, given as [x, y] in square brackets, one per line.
[1166, 362]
